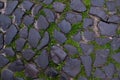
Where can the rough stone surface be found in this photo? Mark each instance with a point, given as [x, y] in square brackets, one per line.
[28, 20]
[116, 57]
[77, 37]
[47, 1]
[1, 4]
[102, 41]
[99, 73]
[111, 6]
[9, 51]
[27, 5]
[88, 22]
[114, 19]
[51, 72]
[89, 35]
[1, 41]
[3, 61]
[99, 3]
[23, 32]
[115, 44]
[58, 6]
[20, 44]
[36, 9]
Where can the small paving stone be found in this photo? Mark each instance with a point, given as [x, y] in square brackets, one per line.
[7, 75]
[57, 54]
[51, 72]
[9, 51]
[5, 21]
[99, 12]
[73, 17]
[115, 44]
[11, 5]
[23, 32]
[18, 13]
[82, 78]
[99, 73]
[77, 5]
[88, 22]
[116, 57]
[60, 37]
[107, 29]
[65, 26]
[109, 70]
[111, 6]
[1, 4]
[28, 20]
[77, 37]
[47, 1]
[58, 6]
[42, 60]
[28, 54]
[33, 37]
[50, 15]
[71, 49]
[16, 66]
[72, 67]
[89, 35]
[117, 4]
[44, 41]
[19, 78]
[20, 44]
[36, 9]
[10, 34]
[42, 23]
[31, 71]
[114, 19]
[86, 48]
[87, 62]
[115, 79]
[99, 3]
[101, 57]
[1, 41]
[3, 61]
[63, 76]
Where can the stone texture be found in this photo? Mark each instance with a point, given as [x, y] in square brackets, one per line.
[47, 1]
[99, 73]
[87, 22]
[1, 41]
[9, 51]
[28, 20]
[115, 44]
[36, 9]
[20, 44]
[89, 35]
[23, 32]
[27, 5]
[3, 61]
[1, 4]
[58, 6]
[111, 6]
[82, 78]
[77, 37]
[99, 3]
[114, 19]
[51, 72]
[116, 57]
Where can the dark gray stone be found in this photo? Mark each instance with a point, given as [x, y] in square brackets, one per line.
[50, 15]
[89, 35]
[115, 79]
[5, 21]
[3, 61]
[23, 32]
[1, 4]
[44, 41]
[51, 72]
[107, 29]
[88, 22]
[87, 62]
[115, 44]
[82, 78]
[28, 20]
[42, 60]
[9, 51]
[117, 4]
[111, 6]
[73, 17]
[16, 66]
[42, 23]
[33, 37]
[28, 54]
[77, 37]
[116, 57]
[77, 5]
[11, 5]
[58, 6]
[99, 3]
[101, 57]
[36, 9]
[65, 26]
[63, 76]
[57, 54]
[27, 5]
[10, 34]
[47, 1]
[19, 78]
[72, 67]
[20, 44]
[31, 71]
[99, 73]
[114, 19]
[60, 37]
[1, 41]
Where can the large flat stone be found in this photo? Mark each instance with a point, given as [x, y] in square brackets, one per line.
[3, 61]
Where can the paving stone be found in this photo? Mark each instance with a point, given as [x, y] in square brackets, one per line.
[89, 35]
[42, 60]
[101, 57]
[86, 48]
[36, 9]
[73, 17]
[33, 37]
[60, 37]
[10, 34]
[57, 54]
[1, 4]
[63, 76]
[99, 3]
[71, 49]
[28, 54]
[50, 15]
[1, 41]
[44, 41]
[87, 22]
[11, 5]
[109, 70]
[99, 12]
[82, 78]
[115, 44]
[87, 62]
[117, 4]
[31, 71]
[3, 61]
[16, 66]
[111, 6]
[9, 51]
[27, 5]
[65, 26]
[42, 23]
[23, 32]
[51, 72]
[77, 37]
[114, 19]
[107, 29]
[116, 57]
[7, 75]
[19, 78]
[5, 21]
[47, 1]
[72, 67]
[18, 13]
[58, 6]
[99, 73]
[20, 44]
[28, 20]
[115, 79]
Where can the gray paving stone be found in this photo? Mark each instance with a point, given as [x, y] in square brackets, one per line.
[77, 5]
[1, 4]
[9, 51]
[82, 78]
[115, 44]
[1, 41]
[19, 78]
[114, 19]
[23, 32]
[51, 72]
[28, 20]
[36, 9]
[87, 22]
[115, 79]
[20, 44]
[77, 37]
[99, 3]
[58, 6]
[47, 1]
[89, 35]
[111, 6]
[63, 76]
[99, 73]
[117, 4]
[116, 57]
[65, 26]
[72, 67]
[3, 61]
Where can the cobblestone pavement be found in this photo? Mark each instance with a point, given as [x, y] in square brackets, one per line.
[59, 39]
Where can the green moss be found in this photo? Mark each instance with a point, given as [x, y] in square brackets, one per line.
[28, 12]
